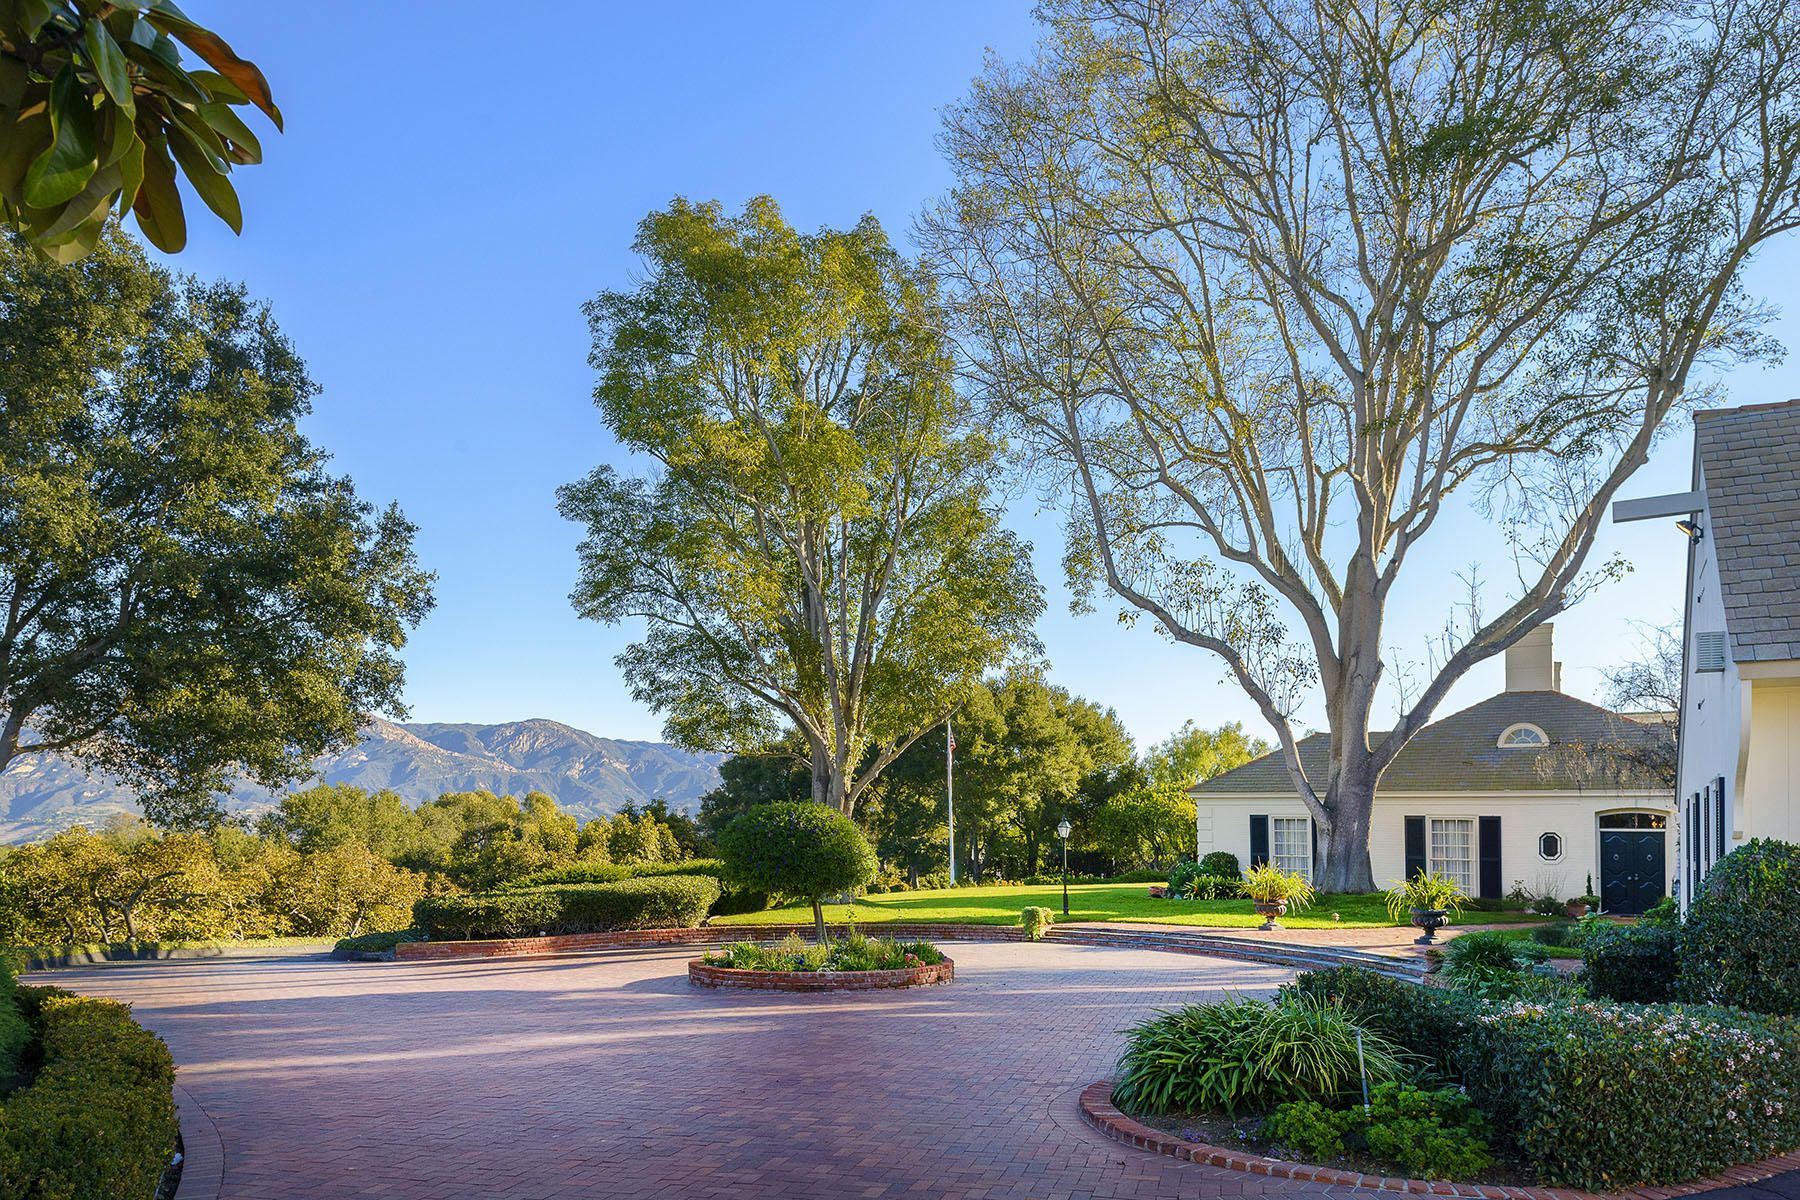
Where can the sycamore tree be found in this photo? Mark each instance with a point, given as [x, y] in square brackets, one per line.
[816, 544]
[1268, 287]
[187, 594]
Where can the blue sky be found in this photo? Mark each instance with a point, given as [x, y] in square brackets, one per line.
[451, 187]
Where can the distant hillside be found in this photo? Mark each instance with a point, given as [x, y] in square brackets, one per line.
[588, 775]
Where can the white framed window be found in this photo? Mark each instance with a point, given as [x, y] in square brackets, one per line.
[1451, 851]
[1549, 846]
[1522, 736]
[1290, 844]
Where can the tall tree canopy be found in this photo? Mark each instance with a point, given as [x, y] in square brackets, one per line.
[818, 544]
[99, 112]
[1191, 754]
[1266, 283]
[186, 593]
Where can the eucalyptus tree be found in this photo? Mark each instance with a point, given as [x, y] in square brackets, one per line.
[188, 595]
[1269, 286]
[816, 543]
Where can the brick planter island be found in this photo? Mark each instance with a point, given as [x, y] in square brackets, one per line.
[819, 981]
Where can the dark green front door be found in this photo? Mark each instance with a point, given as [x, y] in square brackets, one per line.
[1633, 872]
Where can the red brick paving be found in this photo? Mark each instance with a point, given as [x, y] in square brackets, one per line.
[610, 1076]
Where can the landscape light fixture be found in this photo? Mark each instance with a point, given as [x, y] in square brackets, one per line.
[1689, 527]
[1063, 829]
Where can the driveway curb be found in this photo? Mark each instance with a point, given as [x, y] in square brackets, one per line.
[202, 1153]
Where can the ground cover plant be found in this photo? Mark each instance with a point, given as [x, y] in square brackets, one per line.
[852, 953]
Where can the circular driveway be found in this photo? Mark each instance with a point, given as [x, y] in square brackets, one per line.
[609, 1076]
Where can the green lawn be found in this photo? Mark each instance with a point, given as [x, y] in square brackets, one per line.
[1092, 902]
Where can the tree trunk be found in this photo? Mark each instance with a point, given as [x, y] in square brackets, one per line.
[125, 914]
[829, 786]
[1344, 840]
[819, 922]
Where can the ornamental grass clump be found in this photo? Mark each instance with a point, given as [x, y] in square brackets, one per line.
[1426, 891]
[1233, 1056]
[1036, 920]
[1268, 884]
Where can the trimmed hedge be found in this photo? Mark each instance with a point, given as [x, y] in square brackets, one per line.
[614, 872]
[657, 902]
[98, 1121]
[15, 1033]
[731, 899]
[1605, 1097]
[1741, 943]
[1636, 964]
[373, 945]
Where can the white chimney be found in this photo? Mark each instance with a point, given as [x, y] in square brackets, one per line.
[1531, 664]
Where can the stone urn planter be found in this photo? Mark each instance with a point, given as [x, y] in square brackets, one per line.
[1269, 911]
[1576, 909]
[1430, 920]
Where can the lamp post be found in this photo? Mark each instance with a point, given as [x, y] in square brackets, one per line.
[1062, 831]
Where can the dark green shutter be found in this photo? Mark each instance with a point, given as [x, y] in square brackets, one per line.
[1259, 841]
[1721, 849]
[1415, 846]
[1487, 853]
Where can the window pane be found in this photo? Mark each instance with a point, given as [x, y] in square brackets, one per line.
[1291, 848]
[1453, 852]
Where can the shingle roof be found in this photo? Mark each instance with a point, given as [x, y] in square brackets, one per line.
[1750, 458]
[1459, 753]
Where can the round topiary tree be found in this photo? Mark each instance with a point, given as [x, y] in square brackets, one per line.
[1741, 943]
[801, 850]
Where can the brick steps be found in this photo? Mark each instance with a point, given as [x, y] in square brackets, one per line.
[1179, 940]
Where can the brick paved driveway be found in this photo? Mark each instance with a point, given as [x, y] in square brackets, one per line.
[606, 1076]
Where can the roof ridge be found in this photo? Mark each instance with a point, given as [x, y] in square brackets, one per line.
[1765, 406]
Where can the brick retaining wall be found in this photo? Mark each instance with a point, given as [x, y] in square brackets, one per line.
[819, 981]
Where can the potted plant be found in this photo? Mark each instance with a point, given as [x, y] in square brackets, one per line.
[1580, 906]
[1428, 901]
[1274, 891]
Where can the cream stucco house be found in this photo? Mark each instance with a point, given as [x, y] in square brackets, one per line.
[1739, 775]
[1531, 789]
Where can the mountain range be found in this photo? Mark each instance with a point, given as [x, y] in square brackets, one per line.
[589, 775]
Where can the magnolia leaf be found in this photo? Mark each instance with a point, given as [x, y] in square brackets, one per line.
[109, 65]
[244, 148]
[121, 134]
[131, 175]
[77, 244]
[206, 177]
[158, 203]
[33, 15]
[220, 87]
[25, 141]
[214, 49]
[64, 169]
[91, 204]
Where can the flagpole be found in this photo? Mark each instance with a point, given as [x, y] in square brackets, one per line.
[950, 791]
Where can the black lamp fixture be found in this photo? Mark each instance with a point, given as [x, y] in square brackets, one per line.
[1063, 829]
[1689, 527]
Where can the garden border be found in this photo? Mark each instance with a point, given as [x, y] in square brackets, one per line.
[1097, 1110]
[703, 974]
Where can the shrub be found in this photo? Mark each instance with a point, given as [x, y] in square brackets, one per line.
[1429, 1134]
[1741, 943]
[1181, 878]
[1234, 1055]
[1663, 912]
[1605, 1096]
[1216, 887]
[1550, 935]
[1637, 963]
[802, 850]
[1036, 921]
[1430, 1024]
[1480, 956]
[731, 899]
[1221, 862]
[99, 1118]
[373, 943]
[1547, 906]
[14, 1031]
[656, 902]
[1311, 1130]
